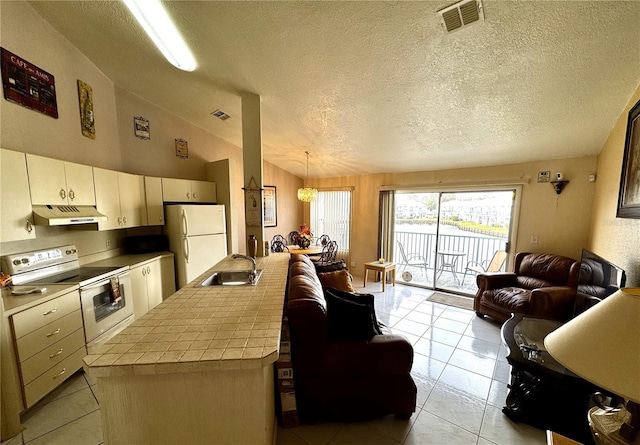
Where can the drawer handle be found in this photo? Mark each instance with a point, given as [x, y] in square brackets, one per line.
[57, 353]
[60, 373]
[51, 334]
[54, 310]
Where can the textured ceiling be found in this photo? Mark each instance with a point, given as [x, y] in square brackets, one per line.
[370, 87]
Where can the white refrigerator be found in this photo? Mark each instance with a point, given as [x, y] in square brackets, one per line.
[197, 237]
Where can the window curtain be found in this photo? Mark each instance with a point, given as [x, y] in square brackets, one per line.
[331, 215]
[386, 224]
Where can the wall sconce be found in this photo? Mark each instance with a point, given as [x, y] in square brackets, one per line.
[559, 183]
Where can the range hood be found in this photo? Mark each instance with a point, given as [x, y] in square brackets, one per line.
[54, 215]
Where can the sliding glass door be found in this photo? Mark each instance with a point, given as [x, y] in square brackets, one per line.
[443, 239]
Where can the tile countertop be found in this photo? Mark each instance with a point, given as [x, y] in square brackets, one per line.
[16, 303]
[130, 260]
[203, 328]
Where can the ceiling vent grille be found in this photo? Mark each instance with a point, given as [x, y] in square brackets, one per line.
[220, 115]
[461, 15]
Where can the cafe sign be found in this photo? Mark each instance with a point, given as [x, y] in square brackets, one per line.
[28, 85]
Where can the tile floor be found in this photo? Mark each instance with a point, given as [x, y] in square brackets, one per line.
[459, 368]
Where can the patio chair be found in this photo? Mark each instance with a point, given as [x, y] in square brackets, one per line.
[493, 265]
[412, 259]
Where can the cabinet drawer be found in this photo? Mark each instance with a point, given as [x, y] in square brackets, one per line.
[41, 386]
[45, 313]
[42, 338]
[51, 356]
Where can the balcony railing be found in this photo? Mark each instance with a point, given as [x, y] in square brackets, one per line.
[477, 248]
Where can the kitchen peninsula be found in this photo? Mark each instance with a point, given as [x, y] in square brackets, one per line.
[198, 368]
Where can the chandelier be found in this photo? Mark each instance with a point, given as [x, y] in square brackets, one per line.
[307, 194]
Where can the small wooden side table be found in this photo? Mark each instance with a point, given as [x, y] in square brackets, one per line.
[383, 268]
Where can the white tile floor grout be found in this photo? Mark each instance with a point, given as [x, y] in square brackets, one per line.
[459, 368]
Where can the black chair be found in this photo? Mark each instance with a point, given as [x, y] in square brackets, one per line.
[279, 246]
[329, 252]
[292, 237]
[279, 238]
[321, 241]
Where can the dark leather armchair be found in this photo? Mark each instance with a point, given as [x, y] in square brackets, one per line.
[542, 285]
[343, 379]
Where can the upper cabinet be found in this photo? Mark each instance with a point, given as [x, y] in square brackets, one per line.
[184, 190]
[15, 202]
[119, 196]
[154, 214]
[55, 182]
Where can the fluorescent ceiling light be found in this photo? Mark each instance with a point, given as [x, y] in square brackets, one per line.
[158, 25]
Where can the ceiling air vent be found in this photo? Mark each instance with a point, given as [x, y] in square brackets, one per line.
[461, 14]
[220, 115]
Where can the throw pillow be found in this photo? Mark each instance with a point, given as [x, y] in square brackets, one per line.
[330, 267]
[340, 279]
[350, 316]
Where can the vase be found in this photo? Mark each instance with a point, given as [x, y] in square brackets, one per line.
[252, 246]
[304, 243]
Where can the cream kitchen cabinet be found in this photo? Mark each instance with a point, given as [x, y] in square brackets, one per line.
[55, 182]
[16, 219]
[49, 343]
[153, 214]
[185, 190]
[151, 283]
[119, 197]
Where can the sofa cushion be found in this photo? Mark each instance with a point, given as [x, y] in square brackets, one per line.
[339, 279]
[350, 317]
[508, 299]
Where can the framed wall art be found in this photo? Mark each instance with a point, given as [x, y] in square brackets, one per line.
[270, 206]
[27, 85]
[629, 195]
[141, 128]
[85, 99]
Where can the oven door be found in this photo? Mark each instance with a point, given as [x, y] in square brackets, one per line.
[99, 312]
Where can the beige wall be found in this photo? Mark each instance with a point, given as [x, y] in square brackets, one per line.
[616, 239]
[25, 33]
[290, 214]
[561, 222]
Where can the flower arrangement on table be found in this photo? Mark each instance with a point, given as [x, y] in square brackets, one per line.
[304, 238]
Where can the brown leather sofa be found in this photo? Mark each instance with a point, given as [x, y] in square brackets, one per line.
[542, 285]
[342, 379]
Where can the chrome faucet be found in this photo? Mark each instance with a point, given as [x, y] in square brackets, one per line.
[254, 272]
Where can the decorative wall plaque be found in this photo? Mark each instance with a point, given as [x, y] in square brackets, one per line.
[28, 85]
[85, 98]
[141, 128]
[182, 149]
[252, 204]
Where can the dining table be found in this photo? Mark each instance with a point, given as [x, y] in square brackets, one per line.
[311, 250]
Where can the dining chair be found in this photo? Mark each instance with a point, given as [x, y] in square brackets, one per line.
[292, 237]
[329, 253]
[321, 241]
[279, 238]
[493, 265]
[412, 259]
[279, 246]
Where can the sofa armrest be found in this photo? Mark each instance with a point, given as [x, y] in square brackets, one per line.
[495, 280]
[552, 302]
[381, 354]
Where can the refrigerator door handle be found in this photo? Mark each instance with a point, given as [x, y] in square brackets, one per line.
[186, 249]
[185, 226]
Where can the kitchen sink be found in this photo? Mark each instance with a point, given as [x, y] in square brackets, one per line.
[231, 278]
